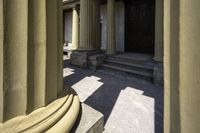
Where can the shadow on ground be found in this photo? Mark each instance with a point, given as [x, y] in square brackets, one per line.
[104, 97]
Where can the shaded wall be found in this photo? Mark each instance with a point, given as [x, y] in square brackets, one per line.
[120, 18]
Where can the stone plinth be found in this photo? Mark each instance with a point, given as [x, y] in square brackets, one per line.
[95, 61]
[81, 58]
[91, 121]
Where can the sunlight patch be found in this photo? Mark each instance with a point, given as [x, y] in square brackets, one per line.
[134, 111]
[67, 72]
[87, 86]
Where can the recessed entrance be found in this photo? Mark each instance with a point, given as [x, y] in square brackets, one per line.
[140, 26]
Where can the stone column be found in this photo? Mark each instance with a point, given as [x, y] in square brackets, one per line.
[60, 37]
[1, 59]
[75, 28]
[96, 14]
[31, 68]
[159, 31]
[29, 56]
[45, 53]
[181, 63]
[86, 25]
[111, 44]
[15, 59]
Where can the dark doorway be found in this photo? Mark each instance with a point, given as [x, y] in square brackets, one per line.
[140, 26]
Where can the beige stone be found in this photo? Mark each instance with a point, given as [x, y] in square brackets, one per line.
[60, 46]
[58, 116]
[189, 66]
[31, 64]
[15, 58]
[1, 59]
[75, 28]
[181, 63]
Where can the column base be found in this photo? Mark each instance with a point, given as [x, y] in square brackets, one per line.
[89, 121]
[85, 58]
[158, 74]
[57, 117]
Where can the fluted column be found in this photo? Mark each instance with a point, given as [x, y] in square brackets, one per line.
[159, 31]
[96, 14]
[60, 37]
[45, 53]
[181, 63]
[29, 66]
[15, 58]
[31, 69]
[86, 25]
[111, 44]
[75, 28]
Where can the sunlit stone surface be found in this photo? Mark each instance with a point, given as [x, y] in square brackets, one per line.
[128, 104]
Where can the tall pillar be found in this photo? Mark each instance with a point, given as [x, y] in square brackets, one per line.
[96, 14]
[31, 68]
[1, 59]
[159, 31]
[111, 44]
[75, 28]
[15, 58]
[60, 37]
[86, 25]
[181, 63]
[45, 53]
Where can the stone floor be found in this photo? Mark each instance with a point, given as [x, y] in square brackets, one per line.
[129, 105]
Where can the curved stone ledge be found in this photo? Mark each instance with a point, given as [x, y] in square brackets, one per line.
[59, 116]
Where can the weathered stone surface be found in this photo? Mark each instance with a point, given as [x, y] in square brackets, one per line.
[81, 58]
[91, 121]
[96, 61]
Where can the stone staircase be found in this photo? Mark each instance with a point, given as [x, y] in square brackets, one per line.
[139, 65]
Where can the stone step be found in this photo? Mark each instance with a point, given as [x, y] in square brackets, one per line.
[148, 62]
[138, 65]
[134, 57]
[129, 69]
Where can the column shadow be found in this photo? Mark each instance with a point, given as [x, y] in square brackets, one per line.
[105, 97]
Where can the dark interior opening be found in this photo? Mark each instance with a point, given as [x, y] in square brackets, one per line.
[140, 26]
